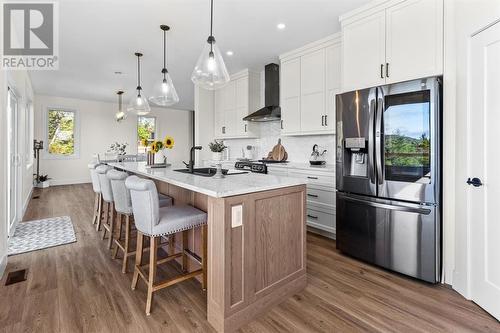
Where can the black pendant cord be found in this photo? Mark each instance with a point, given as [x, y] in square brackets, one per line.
[138, 75]
[211, 38]
[164, 70]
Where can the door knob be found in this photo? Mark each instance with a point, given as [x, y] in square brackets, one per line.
[476, 182]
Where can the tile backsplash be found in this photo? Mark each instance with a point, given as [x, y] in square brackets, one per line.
[299, 148]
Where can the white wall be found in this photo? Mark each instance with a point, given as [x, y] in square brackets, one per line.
[204, 121]
[465, 17]
[98, 129]
[20, 83]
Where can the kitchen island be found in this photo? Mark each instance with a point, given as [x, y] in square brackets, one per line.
[256, 238]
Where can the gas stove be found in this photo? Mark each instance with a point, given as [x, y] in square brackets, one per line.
[251, 166]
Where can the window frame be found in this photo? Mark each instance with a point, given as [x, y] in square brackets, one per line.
[76, 134]
[137, 130]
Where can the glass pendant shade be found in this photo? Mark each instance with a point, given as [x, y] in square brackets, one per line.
[120, 115]
[138, 103]
[165, 93]
[210, 71]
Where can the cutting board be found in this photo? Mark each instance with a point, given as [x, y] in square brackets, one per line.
[278, 153]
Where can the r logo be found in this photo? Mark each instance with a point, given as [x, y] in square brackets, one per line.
[28, 29]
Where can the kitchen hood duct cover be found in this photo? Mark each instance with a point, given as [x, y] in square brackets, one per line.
[272, 110]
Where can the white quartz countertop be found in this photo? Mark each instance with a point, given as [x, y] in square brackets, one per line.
[231, 185]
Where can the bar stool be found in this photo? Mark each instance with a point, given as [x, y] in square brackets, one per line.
[123, 207]
[97, 190]
[154, 222]
[107, 196]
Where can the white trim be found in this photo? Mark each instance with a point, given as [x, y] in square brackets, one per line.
[3, 265]
[27, 201]
[311, 47]
[58, 182]
[76, 134]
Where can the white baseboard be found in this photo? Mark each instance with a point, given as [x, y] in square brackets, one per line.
[3, 265]
[57, 182]
[27, 201]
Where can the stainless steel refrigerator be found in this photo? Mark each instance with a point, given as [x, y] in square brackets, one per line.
[388, 176]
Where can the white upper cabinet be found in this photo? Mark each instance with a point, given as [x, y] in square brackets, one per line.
[414, 40]
[235, 101]
[309, 80]
[290, 95]
[312, 91]
[363, 43]
[392, 41]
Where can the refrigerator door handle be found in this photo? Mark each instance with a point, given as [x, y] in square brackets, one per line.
[407, 209]
[378, 140]
[371, 142]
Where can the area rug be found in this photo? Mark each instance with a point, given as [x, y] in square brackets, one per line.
[41, 234]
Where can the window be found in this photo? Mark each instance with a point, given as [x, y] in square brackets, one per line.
[61, 133]
[146, 131]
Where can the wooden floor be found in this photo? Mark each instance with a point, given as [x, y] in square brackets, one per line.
[78, 288]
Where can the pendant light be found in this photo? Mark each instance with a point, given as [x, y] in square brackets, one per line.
[165, 93]
[210, 71]
[139, 104]
[120, 115]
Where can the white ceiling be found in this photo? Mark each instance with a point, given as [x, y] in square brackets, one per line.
[99, 37]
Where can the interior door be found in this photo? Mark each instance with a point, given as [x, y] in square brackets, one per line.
[483, 161]
[13, 155]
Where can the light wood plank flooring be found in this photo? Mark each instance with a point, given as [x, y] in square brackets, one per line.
[79, 288]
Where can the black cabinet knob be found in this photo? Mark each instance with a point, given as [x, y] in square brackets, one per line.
[476, 182]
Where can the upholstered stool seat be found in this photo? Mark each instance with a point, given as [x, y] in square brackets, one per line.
[123, 207]
[155, 222]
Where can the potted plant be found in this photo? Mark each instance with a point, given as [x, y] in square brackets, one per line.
[217, 147]
[119, 149]
[43, 181]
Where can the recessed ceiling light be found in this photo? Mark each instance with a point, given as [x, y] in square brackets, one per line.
[229, 53]
[281, 26]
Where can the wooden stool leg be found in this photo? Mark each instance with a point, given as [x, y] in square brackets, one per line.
[171, 244]
[119, 218]
[111, 225]
[127, 246]
[106, 218]
[153, 251]
[138, 258]
[96, 208]
[99, 214]
[185, 246]
[204, 253]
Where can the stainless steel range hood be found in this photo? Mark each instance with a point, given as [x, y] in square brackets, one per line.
[271, 111]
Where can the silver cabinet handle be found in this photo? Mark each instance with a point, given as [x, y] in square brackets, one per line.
[387, 69]
[312, 195]
[322, 120]
[312, 216]
[312, 177]
[381, 71]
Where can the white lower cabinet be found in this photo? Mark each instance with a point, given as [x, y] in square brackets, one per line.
[320, 197]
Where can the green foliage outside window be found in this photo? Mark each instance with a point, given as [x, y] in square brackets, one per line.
[401, 150]
[61, 132]
[146, 128]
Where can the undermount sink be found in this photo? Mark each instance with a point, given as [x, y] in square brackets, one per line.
[205, 172]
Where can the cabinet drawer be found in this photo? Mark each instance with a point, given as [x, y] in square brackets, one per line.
[321, 220]
[321, 198]
[325, 179]
[277, 171]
